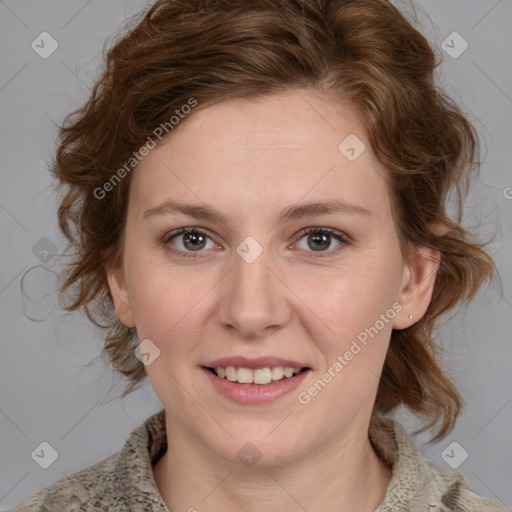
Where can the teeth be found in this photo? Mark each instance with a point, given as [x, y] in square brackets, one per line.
[258, 376]
[245, 376]
[262, 376]
[277, 373]
[231, 373]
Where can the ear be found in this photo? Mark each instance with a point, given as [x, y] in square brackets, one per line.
[418, 279]
[118, 290]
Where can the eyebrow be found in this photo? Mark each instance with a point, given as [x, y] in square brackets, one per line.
[293, 212]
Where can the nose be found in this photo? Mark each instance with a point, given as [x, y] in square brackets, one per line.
[253, 300]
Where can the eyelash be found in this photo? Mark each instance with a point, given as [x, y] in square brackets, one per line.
[190, 254]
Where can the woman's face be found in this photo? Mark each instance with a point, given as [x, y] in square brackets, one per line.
[255, 285]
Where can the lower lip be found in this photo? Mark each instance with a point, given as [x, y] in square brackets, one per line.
[255, 393]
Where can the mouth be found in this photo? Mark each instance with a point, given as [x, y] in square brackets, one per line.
[256, 376]
[255, 380]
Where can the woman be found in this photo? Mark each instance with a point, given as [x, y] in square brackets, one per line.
[256, 193]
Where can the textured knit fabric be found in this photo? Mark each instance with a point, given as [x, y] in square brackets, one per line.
[124, 482]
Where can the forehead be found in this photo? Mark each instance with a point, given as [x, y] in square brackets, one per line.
[249, 153]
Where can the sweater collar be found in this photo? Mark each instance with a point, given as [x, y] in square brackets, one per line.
[416, 483]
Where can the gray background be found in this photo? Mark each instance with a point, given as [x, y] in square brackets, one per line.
[53, 388]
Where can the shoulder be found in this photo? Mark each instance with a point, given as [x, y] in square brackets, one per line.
[417, 483]
[449, 492]
[123, 482]
[90, 487]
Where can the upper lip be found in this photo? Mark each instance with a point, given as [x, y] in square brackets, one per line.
[258, 362]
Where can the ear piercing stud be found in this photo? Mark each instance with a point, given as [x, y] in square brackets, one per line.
[410, 317]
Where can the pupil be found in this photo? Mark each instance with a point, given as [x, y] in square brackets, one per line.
[195, 239]
[318, 239]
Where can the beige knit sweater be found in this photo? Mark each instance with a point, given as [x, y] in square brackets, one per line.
[124, 482]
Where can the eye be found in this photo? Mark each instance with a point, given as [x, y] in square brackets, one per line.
[191, 240]
[319, 239]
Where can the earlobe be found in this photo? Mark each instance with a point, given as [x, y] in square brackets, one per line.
[417, 285]
[120, 296]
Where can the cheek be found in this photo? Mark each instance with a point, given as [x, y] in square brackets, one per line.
[353, 307]
[351, 299]
[167, 309]
[162, 297]
[165, 305]
[352, 355]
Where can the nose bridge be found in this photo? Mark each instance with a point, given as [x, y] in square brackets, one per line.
[253, 298]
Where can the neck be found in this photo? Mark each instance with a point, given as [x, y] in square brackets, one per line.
[345, 471]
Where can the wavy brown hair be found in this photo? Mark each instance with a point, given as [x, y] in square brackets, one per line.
[362, 52]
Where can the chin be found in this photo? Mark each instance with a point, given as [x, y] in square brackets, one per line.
[260, 451]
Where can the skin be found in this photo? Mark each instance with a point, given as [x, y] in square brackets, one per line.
[250, 159]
